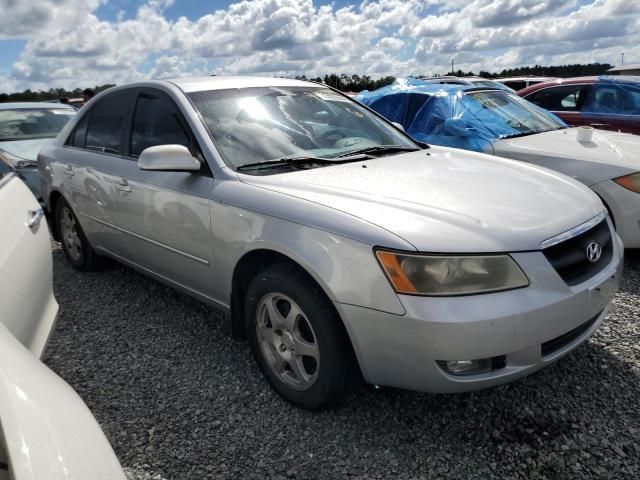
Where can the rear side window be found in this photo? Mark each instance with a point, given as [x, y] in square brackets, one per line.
[107, 122]
[77, 137]
[566, 98]
[156, 121]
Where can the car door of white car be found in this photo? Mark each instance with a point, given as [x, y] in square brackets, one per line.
[27, 305]
[93, 159]
[165, 215]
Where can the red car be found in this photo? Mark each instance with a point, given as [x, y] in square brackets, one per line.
[610, 103]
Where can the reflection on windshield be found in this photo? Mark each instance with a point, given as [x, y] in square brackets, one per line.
[28, 124]
[504, 115]
[266, 123]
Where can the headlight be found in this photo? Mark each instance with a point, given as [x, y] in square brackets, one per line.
[630, 182]
[443, 275]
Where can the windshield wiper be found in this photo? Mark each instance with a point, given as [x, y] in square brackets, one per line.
[299, 160]
[524, 134]
[379, 149]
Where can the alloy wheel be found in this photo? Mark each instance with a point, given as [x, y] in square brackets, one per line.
[287, 341]
[69, 233]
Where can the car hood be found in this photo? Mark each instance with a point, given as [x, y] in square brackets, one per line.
[607, 155]
[23, 150]
[446, 200]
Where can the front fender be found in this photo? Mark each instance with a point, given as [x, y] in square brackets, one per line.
[345, 269]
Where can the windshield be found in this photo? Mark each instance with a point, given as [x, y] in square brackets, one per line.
[505, 115]
[261, 124]
[32, 123]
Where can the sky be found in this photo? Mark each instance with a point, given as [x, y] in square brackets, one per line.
[80, 43]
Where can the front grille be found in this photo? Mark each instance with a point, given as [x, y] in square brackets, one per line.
[569, 258]
[566, 338]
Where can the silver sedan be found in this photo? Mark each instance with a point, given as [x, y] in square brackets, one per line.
[340, 247]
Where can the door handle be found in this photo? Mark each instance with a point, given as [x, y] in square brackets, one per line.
[35, 216]
[122, 184]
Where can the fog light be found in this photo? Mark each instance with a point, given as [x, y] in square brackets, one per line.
[472, 367]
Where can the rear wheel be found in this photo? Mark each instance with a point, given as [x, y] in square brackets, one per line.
[74, 243]
[297, 338]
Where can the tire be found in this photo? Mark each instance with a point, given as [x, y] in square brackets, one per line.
[75, 245]
[286, 311]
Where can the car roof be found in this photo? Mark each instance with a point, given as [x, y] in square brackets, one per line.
[34, 105]
[585, 80]
[420, 87]
[523, 78]
[198, 84]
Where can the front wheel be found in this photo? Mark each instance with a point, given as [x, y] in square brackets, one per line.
[297, 338]
[74, 243]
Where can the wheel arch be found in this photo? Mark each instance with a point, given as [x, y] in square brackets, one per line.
[248, 266]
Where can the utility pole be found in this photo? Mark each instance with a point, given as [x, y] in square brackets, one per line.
[623, 59]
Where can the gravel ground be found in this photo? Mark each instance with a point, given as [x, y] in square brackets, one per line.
[178, 399]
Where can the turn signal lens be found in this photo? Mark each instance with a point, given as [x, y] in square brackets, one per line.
[630, 182]
[441, 275]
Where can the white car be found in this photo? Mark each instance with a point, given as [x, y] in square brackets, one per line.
[518, 83]
[46, 432]
[502, 124]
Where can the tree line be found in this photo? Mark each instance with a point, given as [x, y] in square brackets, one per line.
[354, 82]
[51, 94]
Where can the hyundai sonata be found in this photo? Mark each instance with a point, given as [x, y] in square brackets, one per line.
[338, 244]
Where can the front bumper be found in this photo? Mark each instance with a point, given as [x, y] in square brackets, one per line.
[402, 351]
[625, 209]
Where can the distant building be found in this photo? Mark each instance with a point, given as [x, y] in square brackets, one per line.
[630, 69]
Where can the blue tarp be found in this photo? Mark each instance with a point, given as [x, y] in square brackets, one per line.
[445, 115]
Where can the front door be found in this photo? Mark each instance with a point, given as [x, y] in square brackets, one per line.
[613, 106]
[165, 216]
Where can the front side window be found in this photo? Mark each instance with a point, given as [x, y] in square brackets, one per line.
[266, 123]
[156, 122]
[566, 98]
[614, 98]
[106, 123]
[32, 123]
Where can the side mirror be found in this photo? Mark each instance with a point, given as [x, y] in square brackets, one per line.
[398, 125]
[168, 158]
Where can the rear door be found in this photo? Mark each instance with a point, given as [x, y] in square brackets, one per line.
[165, 215]
[564, 101]
[93, 161]
[27, 305]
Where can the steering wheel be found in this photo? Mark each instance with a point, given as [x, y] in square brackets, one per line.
[355, 143]
[325, 137]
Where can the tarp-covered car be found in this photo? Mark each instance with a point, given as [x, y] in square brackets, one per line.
[500, 123]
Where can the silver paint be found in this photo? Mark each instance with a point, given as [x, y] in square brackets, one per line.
[191, 230]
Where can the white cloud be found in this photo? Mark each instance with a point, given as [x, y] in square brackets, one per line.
[68, 44]
[390, 43]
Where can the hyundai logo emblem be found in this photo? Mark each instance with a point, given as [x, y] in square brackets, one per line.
[594, 251]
